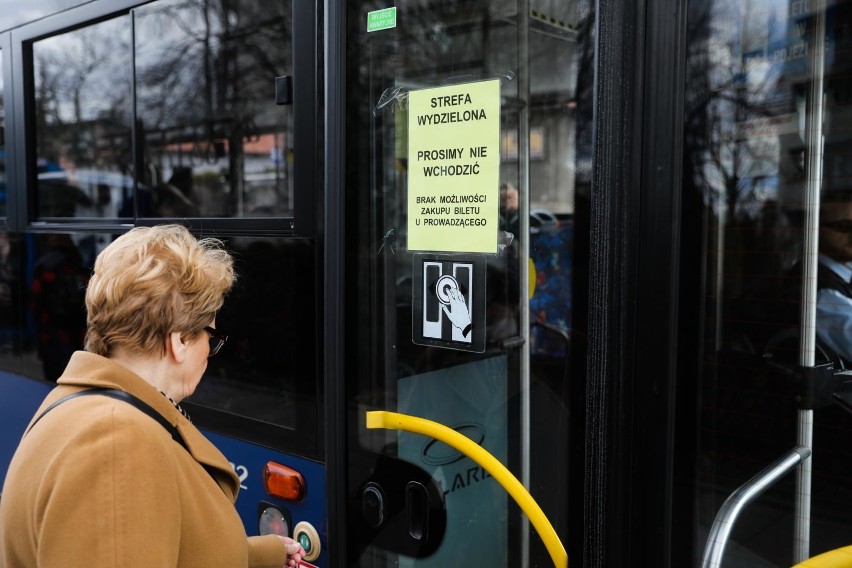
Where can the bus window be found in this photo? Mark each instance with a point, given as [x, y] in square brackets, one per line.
[10, 301]
[2, 143]
[214, 142]
[42, 289]
[83, 114]
[265, 373]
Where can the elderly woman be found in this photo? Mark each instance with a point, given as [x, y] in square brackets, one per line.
[119, 476]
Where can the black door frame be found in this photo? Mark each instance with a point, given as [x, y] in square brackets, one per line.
[330, 241]
[631, 364]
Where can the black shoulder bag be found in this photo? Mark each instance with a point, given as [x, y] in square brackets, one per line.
[118, 395]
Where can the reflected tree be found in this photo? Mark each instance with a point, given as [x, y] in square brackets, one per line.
[205, 72]
[83, 96]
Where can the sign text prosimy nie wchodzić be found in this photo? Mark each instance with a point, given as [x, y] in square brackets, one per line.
[454, 165]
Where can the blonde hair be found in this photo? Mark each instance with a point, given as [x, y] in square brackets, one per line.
[150, 282]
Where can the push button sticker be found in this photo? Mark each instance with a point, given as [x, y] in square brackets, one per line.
[448, 302]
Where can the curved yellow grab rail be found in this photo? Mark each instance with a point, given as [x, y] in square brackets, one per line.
[838, 558]
[396, 421]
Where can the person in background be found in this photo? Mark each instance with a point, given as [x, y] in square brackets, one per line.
[834, 291]
[120, 476]
[177, 197]
[510, 199]
[57, 298]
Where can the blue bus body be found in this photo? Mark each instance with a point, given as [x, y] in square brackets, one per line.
[20, 397]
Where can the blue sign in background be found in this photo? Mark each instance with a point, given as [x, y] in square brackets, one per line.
[471, 398]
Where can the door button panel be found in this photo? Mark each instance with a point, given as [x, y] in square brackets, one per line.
[416, 505]
[373, 505]
[397, 506]
[305, 534]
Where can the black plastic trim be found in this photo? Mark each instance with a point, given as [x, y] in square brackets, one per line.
[334, 283]
[655, 328]
[613, 234]
[16, 147]
[233, 225]
[633, 303]
[305, 116]
[230, 226]
[273, 436]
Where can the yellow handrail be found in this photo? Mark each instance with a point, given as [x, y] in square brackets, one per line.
[838, 558]
[397, 421]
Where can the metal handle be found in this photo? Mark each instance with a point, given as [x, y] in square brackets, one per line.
[740, 499]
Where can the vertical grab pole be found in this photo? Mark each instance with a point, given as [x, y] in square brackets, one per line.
[814, 113]
[524, 252]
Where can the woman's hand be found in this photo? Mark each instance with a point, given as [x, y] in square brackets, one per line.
[295, 552]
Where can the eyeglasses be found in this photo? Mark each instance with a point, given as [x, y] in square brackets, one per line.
[842, 226]
[217, 340]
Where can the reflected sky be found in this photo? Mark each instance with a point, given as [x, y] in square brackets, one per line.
[14, 13]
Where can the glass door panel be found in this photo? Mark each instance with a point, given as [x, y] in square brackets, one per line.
[769, 210]
[468, 144]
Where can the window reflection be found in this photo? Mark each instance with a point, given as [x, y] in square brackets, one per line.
[10, 296]
[767, 148]
[17, 12]
[57, 296]
[215, 143]
[42, 310]
[266, 369]
[83, 115]
[2, 142]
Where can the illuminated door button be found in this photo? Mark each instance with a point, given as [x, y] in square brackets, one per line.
[305, 534]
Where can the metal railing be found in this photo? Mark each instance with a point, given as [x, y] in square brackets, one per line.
[741, 498]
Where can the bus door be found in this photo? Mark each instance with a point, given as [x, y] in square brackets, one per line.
[767, 153]
[467, 166]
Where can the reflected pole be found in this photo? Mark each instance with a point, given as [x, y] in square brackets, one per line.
[524, 246]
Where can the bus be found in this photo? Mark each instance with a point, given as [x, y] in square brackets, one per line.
[605, 242]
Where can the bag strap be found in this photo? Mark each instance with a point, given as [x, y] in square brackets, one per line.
[118, 395]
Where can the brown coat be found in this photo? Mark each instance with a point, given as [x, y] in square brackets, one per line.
[99, 483]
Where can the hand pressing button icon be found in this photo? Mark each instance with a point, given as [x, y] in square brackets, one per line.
[453, 303]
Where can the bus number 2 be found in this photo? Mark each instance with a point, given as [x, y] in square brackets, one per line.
[242, 473]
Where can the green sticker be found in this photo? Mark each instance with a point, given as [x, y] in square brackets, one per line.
[381, 19]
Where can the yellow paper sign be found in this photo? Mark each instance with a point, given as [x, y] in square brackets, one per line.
[454, 167]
